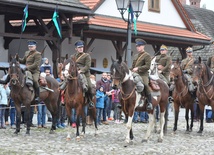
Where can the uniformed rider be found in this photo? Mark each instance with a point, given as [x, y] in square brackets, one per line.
[141, 65]
[187, 68]
[83, 61]
[32, 60]
[164, 64]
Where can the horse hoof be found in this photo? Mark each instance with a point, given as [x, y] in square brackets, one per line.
[78, 138]
[160, 140]
[68, 139]
[126, 144]
[52, 132]
[144, 140]
[95, 135]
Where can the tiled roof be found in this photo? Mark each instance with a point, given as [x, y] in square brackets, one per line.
[203, 19]
[145, 27]
[90, 3]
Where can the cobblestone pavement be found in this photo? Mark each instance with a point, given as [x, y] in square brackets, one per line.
[109, 141]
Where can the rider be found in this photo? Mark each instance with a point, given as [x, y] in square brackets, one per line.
[210, 63]
[187, 68]
[164, 64]
[32, 60]
[83, 61]
[141, 65]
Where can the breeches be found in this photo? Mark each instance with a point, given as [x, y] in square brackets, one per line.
[146, 85]
[35, 80]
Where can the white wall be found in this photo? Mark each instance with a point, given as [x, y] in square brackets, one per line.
[167, 16]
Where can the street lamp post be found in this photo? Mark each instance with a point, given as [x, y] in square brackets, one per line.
[135, 7]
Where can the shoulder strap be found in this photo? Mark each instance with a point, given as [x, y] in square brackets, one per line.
[188, 63]
[139, 58]
[80, 57]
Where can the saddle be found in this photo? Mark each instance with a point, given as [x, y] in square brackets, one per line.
[154, 85]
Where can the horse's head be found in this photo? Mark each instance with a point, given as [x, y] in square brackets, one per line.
[119, 72]
[14, 70]
[73, 71]
[198, 71]
[175, 71]
[153, 66]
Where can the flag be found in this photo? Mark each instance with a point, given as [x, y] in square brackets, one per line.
[25, 16]
[56, 21]
[133, 20]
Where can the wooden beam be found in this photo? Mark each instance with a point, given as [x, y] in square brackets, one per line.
[27, 36]
[182, 52]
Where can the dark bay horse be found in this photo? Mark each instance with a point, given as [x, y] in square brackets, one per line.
[122, 77]
[74, 98]
[22, 94]
[204, 79]
[181, 95]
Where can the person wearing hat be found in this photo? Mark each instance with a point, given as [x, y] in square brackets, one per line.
[32, 60]
[187, 68]
[164, 64]
[141, 65]
[83, 61]
[210, 63]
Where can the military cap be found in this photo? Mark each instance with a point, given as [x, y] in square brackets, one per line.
[31, 43]
[79, 43]
[189, 50]
[163, 47]
[140, 42]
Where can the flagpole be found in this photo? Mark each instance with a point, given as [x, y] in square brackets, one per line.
[24, 18]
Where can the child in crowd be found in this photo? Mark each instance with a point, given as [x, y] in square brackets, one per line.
[4, 93]
[99, 104]
[116, 105]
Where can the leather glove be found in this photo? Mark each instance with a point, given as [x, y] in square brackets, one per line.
[184, 71]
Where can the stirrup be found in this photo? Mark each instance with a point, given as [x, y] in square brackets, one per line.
[149, 106]
[91, 104]
[37, 99]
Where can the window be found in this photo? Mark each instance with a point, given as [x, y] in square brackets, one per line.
[154, 5]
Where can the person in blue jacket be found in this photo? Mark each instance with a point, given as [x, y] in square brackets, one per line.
[99, 103]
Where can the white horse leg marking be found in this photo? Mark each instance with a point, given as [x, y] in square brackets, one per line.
[162, 122]
[150, 126]
[129, 126]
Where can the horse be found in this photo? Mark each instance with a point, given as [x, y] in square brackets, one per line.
[204, 80]
[24, 94]
[182, 96]
[123, 77]
[74, 98]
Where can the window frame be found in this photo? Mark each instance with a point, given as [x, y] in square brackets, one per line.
[154, 9]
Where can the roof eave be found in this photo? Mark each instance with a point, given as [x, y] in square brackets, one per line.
[157, 36]
[81, 9]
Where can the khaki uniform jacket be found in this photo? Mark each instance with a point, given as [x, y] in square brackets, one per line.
[83, 61]
[165, 61]
[187, 64]
[210, 63]
[143, 65]
[32, 60]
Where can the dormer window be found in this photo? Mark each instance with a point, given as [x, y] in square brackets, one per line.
[154, 5]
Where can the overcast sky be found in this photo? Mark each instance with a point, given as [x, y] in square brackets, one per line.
[209, 4]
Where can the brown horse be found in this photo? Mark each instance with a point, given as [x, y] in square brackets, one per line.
[74, 98]
[204, 79]
[181, 95]
[122, 77]
[23, 94]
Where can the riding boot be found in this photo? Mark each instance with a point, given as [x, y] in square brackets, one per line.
[149, 102]
[91, 104]
[37, 99]
[63, 85]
